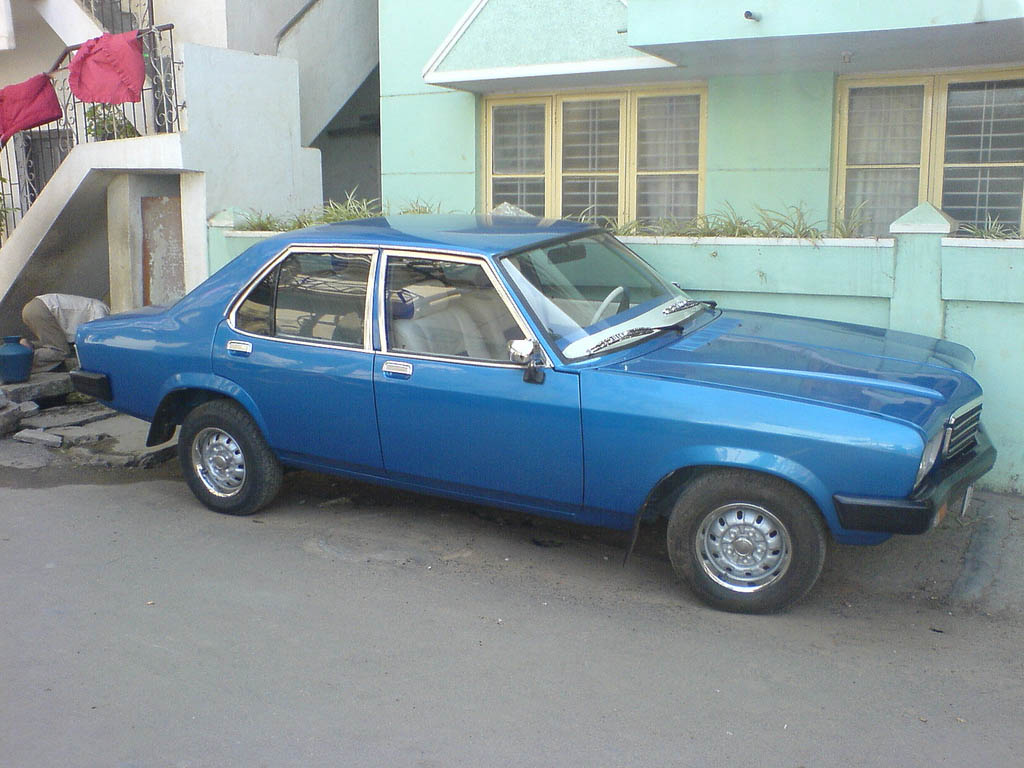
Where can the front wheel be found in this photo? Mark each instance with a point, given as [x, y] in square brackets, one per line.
[746, 542]
[226, 462]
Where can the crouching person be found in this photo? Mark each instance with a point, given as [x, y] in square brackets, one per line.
[53, 319]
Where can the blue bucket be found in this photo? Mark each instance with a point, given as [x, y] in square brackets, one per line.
[15, 361]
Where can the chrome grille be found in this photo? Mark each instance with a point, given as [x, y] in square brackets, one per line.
[961, 431]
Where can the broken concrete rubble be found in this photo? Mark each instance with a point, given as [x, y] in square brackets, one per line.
[10, 418]
[91, 435]
[39, 386]
[39, 437]
[69, 416]
[13, 415]
[87, 433]
[77, 435]
[28, 408]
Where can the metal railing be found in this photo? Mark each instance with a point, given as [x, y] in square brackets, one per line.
[121, 15]
[30, 158]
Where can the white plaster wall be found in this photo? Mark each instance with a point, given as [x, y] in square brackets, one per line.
[243, 25]
[242, 130]
[351, 158]
[336, 46]
[68, 19]
[7, 40]
[38, 46]
[195, 21]
[194, 242]
[124, 233]
[253, 25]
[72, 258]
[77, 176]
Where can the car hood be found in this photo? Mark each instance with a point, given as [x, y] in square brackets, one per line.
[904, 376]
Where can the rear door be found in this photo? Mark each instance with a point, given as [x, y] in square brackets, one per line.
[299, 344]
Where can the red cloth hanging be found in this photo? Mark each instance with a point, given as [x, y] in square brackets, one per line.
[26, 105]
[108, 69]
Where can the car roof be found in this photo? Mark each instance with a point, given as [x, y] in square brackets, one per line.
[484, 235]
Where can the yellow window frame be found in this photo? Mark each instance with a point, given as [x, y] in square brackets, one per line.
[627, 171]
[933, 129]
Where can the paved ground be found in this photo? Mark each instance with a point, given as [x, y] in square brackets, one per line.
[966, 563]
[350, 625]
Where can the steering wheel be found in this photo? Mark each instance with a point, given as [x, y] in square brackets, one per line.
[615, 292]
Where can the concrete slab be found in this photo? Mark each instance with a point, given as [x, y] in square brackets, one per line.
[77, 435]
[28, 408]
[69, 415]
[991, 579]
[10, 418]
[39, 437]
[18, 455]
[39, 385]
[117, 441]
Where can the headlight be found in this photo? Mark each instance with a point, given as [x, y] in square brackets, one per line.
[931, 453]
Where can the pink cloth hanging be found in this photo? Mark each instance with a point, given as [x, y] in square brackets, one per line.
[108, 69]
[26, 105]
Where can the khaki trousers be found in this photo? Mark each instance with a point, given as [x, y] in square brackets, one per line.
[50, 344]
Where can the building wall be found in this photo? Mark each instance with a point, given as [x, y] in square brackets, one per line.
[253, 25]
[242, 130]
[203, 22]
[71, 258]
[38, 47]
[769, 142]
[350, 146]
[428, 134]
[785, 160]
[659, 21]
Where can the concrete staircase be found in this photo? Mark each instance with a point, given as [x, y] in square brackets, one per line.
[332, 63]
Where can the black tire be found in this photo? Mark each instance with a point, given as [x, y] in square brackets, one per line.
[225, 460]
[746, 542]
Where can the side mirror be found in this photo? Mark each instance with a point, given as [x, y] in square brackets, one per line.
[527, 352]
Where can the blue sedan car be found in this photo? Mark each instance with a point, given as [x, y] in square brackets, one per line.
[541, 365]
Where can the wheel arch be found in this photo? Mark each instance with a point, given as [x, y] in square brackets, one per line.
[183, 393]
[660, 498]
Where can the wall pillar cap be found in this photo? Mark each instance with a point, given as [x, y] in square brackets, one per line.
[225, 218]
[925, 219]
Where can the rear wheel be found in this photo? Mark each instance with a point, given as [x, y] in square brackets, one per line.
[225, 460]
[746, 542]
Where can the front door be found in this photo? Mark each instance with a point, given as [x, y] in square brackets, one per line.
[453, 413]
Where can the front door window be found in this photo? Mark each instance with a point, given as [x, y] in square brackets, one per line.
[446, 308]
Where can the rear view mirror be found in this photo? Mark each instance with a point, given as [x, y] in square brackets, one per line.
[566, 253]
[521, 351]
[528, 352]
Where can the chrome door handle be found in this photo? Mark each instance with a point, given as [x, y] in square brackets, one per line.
[241, 348]
[397, 369]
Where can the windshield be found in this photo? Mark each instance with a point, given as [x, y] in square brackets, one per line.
[592, 293]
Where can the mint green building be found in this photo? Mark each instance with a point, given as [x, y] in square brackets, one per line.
[657, 108]
[859, 114]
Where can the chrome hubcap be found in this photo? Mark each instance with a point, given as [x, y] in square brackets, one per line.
[218, 462]
[743, 547]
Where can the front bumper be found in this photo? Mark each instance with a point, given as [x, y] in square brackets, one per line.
[925, 508]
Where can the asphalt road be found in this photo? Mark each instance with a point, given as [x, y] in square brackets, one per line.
[347, 625]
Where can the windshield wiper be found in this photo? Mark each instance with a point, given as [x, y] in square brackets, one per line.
[679, 306]
[632, 333]
[615, 338]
